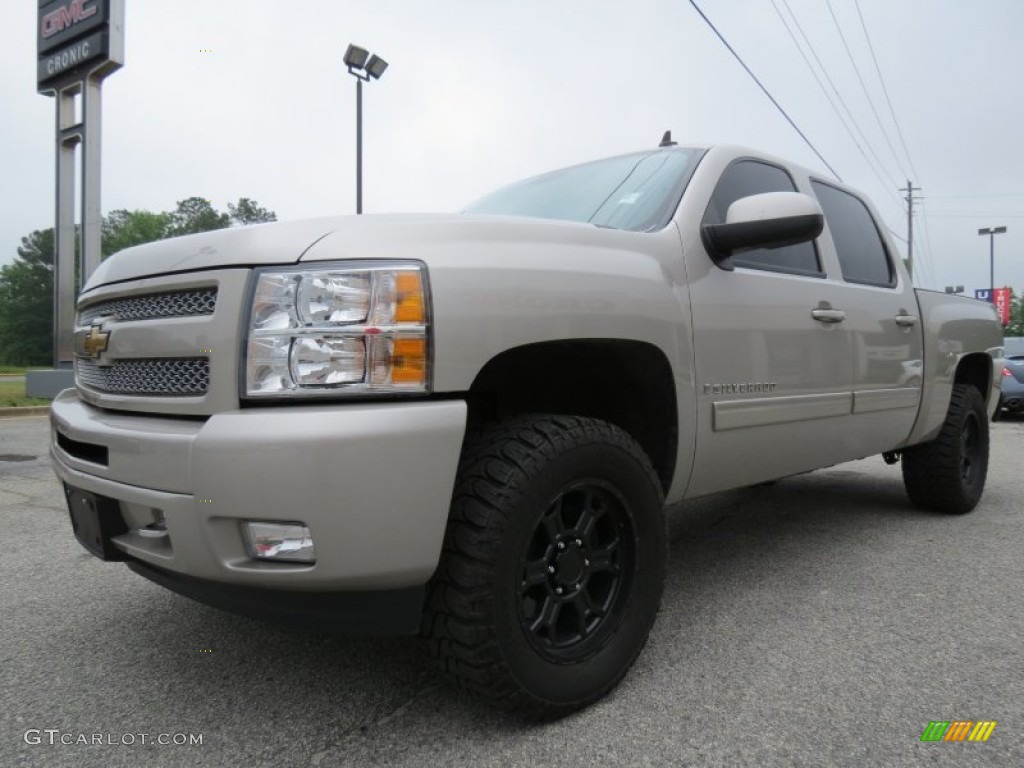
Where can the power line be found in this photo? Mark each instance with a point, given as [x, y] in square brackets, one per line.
[828, 96]
[895, 234]
[864, 87]
[891, 183]
[927, 241]
[765, 90]
[885, 90]
[973, 197]
[910, 189]
[975, 216]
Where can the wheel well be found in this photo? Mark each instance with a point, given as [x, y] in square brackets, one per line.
[976, 370]
[626, 383]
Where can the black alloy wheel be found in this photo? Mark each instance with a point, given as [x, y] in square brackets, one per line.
[970, 449]
[948, 473]
[577, 569]
[553, 564]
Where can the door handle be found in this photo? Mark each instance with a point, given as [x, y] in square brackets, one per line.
[906, 321]
[828, 315]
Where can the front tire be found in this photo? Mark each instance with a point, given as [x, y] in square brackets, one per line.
[948, 473]
[553, 564]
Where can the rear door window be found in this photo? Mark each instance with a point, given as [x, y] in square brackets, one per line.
[862, 254]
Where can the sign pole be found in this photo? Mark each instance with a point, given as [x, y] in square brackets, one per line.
[69, 135]
[92, 219]
[79, 43]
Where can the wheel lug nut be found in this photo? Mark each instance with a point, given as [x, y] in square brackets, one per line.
[586, 562]
[558, 590]
[577, 586]
[561, 545]
[579, 543]
[551, 569]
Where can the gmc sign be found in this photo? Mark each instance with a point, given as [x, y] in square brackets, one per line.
[76, 39]
[66, 16]
[64, 20]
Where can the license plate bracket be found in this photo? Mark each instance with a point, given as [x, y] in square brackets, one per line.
[95, 520]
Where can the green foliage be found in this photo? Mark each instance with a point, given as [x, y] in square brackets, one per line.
[195, 214]
[248, 211]
[123, 229]
[26, 285]
[1016, 326]
[26, 302]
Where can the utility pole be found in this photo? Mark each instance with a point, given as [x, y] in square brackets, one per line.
[910, 190]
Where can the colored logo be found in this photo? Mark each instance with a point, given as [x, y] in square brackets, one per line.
[65, 16]
[958, 730]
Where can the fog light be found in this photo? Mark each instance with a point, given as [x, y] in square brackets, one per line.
[281, 542]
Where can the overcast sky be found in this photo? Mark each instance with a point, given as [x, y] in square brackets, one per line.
[479, 94]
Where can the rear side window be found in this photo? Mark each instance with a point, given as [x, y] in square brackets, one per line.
[862, 254]
[751, 177]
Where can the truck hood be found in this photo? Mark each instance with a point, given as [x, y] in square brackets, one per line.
[261, 244]
[386, 236]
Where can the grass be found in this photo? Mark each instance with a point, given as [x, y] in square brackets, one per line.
[12, 393]
[19, 370]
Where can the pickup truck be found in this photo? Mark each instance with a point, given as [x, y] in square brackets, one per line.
[469, 426]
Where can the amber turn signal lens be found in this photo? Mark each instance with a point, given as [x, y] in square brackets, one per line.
[409, 361]
[409, 305]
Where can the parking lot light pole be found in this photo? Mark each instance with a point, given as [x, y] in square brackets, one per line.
[992, 232]
[363, 66]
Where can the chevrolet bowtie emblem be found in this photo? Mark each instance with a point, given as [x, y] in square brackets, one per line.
[90, 343]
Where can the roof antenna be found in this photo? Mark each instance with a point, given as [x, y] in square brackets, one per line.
[666, 140]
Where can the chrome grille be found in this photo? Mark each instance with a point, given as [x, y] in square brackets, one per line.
[177, 304]
[160, 376]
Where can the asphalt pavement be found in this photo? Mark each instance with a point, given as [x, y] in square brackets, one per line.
[818, 621]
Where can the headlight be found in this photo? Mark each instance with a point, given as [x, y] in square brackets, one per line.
[336, 329]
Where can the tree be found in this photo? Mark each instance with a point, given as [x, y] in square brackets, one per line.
[26, 285]
[123, 229]
[26, 302]
[1016, 326]
[195, 214]
[250, 212]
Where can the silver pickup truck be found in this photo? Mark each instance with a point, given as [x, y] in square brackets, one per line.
[469, 426]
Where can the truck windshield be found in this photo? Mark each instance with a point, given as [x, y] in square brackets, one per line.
[637, 192]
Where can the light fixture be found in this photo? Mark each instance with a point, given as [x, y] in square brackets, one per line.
[355, 57]
[375, 66]
[992, 232]
[362, 66]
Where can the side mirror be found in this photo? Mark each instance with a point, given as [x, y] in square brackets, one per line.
[768, 220]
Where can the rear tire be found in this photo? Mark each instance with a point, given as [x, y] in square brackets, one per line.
[553, 564]
[948, 473]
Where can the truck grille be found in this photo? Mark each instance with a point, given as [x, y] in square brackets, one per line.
[176, 304]
[170, 376]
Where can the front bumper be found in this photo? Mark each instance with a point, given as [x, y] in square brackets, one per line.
[366, 612]
[372, 481]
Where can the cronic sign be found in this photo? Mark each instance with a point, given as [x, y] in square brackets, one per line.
[76, 39]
